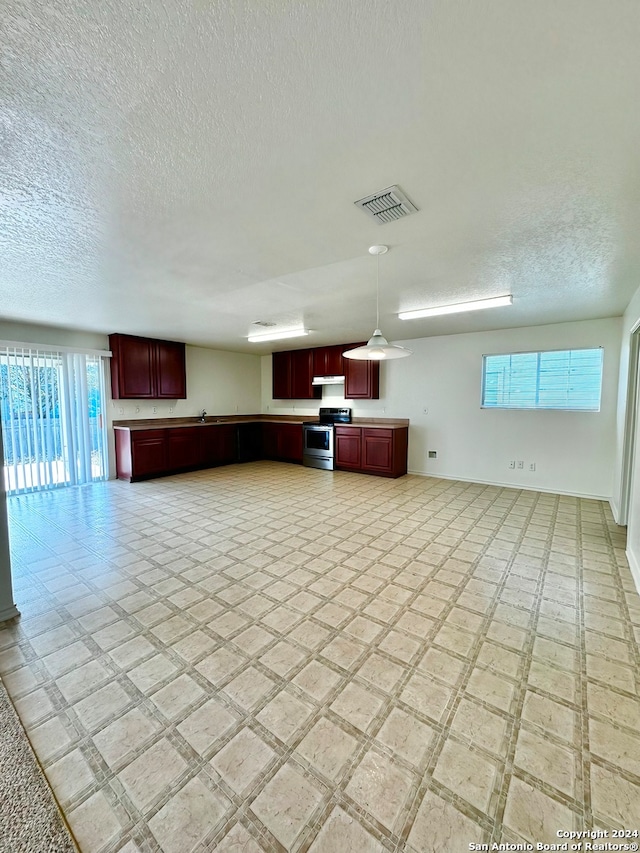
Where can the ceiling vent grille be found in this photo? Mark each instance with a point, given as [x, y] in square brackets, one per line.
[387, 205]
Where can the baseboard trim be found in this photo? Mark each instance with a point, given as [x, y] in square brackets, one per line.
[615, 511]
[9, 613]
[433, 476]
[634, 566]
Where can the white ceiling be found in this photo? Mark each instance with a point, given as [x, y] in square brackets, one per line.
[181, 169]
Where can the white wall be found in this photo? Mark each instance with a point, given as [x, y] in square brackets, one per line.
[574, 452]
[32, 334]
[222, 383]
[630, 321]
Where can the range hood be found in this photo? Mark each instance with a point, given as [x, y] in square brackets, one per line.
[327, 380]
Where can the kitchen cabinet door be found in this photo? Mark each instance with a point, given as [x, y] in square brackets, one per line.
[132, 367]
[171, 377]
[327, 361]
[333, 362]
[320, 361]
[377, 450]
[270, 440]
[301, 376]
[348, 447]
[282, 442]
[148, 453]
[183, 449]
[361, 378]
[218, 444]
[249, 442]
[384, 451]
[290, 442]
[281, 365]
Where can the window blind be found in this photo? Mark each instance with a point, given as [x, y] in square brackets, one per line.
[555, 379]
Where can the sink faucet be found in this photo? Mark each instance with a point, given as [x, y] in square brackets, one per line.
[203, 416]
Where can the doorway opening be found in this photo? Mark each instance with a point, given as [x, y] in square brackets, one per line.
[52, 405]
[630, 428]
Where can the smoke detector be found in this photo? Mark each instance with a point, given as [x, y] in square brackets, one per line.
[387, 205]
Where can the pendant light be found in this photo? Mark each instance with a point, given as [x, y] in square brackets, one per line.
[378, 347]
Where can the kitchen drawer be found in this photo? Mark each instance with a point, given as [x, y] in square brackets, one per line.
[344, 430]
[378, 433]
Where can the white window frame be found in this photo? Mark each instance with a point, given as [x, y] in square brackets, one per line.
[536, 408]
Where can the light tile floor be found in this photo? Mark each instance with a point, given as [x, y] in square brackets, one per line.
[268, 657]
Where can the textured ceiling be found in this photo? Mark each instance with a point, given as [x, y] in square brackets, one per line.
[181, 169]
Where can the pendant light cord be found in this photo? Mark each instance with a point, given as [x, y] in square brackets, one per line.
[377, 291]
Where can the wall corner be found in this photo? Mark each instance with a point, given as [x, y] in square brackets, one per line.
[634, 566]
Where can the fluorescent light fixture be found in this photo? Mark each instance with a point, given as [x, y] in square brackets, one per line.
[276, 336]
[458, 308]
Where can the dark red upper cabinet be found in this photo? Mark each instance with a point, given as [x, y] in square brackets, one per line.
[132, 367]
[320, 361]
[146, 368]
[327, 361]
[292, 374]
[334, 361]
[171, 378]
[281, 363]
[361, 378]
[293, 371]
[301, 376]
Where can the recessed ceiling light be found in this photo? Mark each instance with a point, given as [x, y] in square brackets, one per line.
[276, 336]
[458, 308]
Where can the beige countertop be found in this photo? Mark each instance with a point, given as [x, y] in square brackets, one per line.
[176, 423]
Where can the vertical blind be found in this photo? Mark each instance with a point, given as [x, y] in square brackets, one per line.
[557, 379]
[53, 423]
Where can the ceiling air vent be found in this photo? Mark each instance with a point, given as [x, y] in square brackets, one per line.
[387, 205]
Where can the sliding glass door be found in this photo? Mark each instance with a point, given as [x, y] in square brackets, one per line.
[53, 418]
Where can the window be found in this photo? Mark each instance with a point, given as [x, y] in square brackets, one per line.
[53, 429]
[559, 379]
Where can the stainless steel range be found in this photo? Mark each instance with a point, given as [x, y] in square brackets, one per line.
[318, 438]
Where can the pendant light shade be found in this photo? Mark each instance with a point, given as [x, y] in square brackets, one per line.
[378, 347]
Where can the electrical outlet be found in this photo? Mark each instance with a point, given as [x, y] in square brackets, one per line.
[520, 464]
[121, 410]
[433, 454]
[155, 410]
[170, 409]
[137, 409]
[512, 464]
[532, 466]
